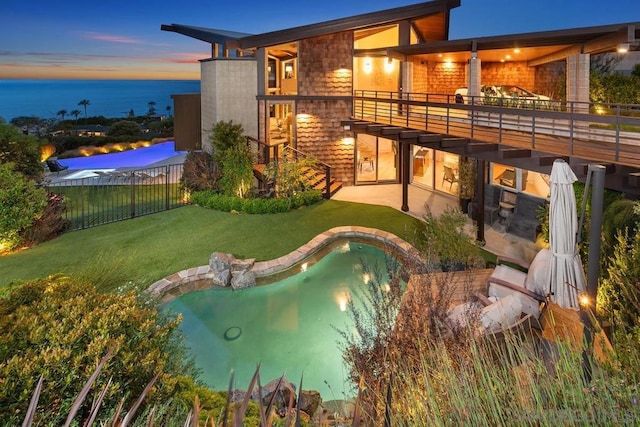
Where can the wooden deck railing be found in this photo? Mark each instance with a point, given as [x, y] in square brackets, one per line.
[602, 132]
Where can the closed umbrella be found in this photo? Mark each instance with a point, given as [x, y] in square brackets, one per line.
[566, 275]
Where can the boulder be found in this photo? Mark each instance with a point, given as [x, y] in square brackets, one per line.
[308, 401]
[220, 261]
[241, 274]
[220, 266]
[221, 278]
[281, 397]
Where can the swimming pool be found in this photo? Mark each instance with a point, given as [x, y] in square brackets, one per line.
[140, 157]
[287, 325]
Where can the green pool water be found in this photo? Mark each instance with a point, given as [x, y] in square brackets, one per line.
[286, 325]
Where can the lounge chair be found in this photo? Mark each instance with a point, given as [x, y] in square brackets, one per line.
[55, 166]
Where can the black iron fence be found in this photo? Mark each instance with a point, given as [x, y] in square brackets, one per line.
[101, 197]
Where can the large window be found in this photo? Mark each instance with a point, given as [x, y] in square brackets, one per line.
[376, 159]
[519, 179]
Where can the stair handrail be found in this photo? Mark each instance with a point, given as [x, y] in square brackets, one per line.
[318, 164]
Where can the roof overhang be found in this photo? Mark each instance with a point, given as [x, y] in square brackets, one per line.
[235, 40]
[208, 35]
[536, 48]
[357, 22]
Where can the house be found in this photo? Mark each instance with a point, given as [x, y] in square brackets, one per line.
[372, 96]
[91, 130]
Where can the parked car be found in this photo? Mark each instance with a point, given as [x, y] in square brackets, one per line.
[506, 95]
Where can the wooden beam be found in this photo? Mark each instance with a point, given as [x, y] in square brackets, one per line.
[428, 138]
[634, 179]
[391, 130]
[375, 127]
[548, 160]
[453, 142]
[514, 153]
[408, 134]
[481, 147]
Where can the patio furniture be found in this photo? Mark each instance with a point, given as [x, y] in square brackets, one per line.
[55, 166]
[524, 222]
[450, 176]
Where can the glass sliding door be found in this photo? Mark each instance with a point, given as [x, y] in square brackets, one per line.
[376, 159]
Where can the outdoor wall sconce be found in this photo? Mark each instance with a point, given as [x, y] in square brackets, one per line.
[388, 65]
[623, 47]
[367, 66]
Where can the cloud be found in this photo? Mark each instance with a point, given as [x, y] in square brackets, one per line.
[112, 38]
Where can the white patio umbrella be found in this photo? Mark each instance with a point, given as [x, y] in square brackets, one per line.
[566, 275]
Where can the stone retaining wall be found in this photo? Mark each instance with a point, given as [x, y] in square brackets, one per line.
[224, 270]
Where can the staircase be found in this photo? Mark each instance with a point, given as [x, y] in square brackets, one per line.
[314, 177]
[317, 180]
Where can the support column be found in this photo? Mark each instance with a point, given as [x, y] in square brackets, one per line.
[479, 202]
[597, 203]
[474, 76]
[405, 159]
[578, 67]
[261, 59]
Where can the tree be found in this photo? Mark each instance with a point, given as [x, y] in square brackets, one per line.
[61, 113]
[152, 108]
[28, 122]
[168, 110]
[233, 158]
[84, 103]
[21, 150]
[21, 203]
[124, 128]
[75, 114]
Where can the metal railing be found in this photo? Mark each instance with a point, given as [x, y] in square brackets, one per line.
[99, 197]
[603, 132]
[265, 153]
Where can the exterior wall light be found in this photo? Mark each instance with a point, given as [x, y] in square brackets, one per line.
[367, 65]
[623, 47]
[388, 65]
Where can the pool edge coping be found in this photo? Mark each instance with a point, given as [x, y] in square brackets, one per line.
[196, 278]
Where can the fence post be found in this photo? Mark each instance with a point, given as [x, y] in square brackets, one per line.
[133, 195]
[167, 171]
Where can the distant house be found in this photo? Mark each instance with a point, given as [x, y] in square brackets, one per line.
[91, 130]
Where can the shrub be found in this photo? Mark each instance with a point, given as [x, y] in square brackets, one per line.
[60, 329]
[21, 150]
[199, 172]
[50, 224]
[234, 158]
[124, 128]
[21, 204]
[443, 240]
[221, 202]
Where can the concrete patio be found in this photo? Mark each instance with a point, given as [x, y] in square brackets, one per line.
[497, 241]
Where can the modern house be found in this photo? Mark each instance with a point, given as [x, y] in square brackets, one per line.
[373, 97]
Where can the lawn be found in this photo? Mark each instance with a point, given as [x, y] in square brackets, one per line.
[148, 248]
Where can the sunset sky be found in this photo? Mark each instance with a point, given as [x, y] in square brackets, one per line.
[122, 39]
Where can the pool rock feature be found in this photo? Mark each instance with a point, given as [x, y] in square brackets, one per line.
[227, 271]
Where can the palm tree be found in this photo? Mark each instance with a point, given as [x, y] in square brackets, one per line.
[84, 103]
[61, 113]
[168, 110]
[152, 108]
[75, 113]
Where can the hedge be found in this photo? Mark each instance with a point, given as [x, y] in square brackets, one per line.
[213, 200]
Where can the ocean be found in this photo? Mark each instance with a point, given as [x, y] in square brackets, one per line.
[109, 98]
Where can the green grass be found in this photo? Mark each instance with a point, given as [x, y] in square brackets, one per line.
[148, 248]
